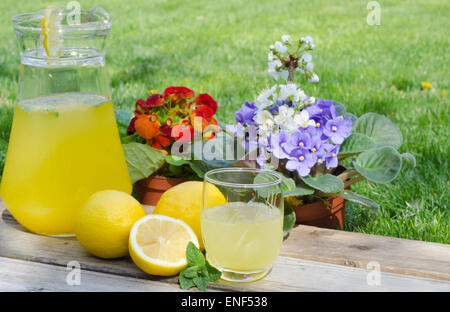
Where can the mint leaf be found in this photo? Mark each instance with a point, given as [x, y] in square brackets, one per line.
[185, 283]
[201, 282]
[194, 256]
[199, 271]
[213, 273]
[190, 272]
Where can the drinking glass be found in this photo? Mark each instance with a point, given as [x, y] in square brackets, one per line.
[64, 143]
[242, 237]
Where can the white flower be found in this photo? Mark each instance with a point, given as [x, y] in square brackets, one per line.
[306, 57]
[290, 91]
[309, 41]
[281, 48]
[263, 117]
[275, 70]
[271, 57]
[286, 39]
[265, 130]
[302, 119]
[285, 116]
[265, 122]
[314, 78]
[266, 98]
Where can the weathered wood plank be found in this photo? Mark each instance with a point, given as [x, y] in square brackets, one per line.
[289, 274]
[394, 255]
[20, 275]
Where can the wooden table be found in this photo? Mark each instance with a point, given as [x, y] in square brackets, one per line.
[311, 259]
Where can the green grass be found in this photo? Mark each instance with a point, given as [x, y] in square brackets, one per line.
[221, 47]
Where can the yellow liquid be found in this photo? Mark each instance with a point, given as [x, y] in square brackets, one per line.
[242, 237]
[62, 149]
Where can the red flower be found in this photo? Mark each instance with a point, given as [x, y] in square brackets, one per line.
[155, 100]
[204, 99]
[145, 107]
[140, 107]
[166, 127]
[203, 111]
[163, 140]
[131, 128]
[175, 93]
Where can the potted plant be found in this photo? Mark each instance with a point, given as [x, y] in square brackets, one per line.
[318, 147]
[161, 123]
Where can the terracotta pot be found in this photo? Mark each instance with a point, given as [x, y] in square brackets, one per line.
[149, 190]
[321, 215]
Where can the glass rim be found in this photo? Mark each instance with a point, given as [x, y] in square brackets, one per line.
[243, 185]
[19, 18]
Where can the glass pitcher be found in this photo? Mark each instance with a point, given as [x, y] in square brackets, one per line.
[64, 142]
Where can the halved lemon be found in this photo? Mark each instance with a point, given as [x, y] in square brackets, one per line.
[158, 244]
[52, 32]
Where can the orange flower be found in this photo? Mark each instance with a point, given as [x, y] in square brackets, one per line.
[147, 126]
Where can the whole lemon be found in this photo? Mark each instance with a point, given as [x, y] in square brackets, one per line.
[183, 202]
[104, 223]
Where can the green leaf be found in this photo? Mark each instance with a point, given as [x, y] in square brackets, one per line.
[340, 108]
[142, 160]
[185, 283]
[356, 143]
[287, 184]
[194, 256]
[123, 120]
[299, 190]
[361, 200]
[380, 165]
[289, 219]
[381, 130]
[201, 282]
[410, 158]
[326, 183]
[213, 273]
[190, 272]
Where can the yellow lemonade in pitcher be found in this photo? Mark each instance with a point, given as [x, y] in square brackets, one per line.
[63, 148]
[242, 237]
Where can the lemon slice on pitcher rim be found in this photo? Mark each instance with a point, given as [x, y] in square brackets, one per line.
[51, 30]
[158, 243]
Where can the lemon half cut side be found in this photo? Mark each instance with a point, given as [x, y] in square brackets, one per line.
[158, 244]
[52, 32]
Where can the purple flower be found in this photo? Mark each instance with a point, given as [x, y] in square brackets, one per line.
[278, 143]
[300, 160]
[246, 113]
[327, 108]
[317, 149]
[299, 139]
[338, 129]
[314, 110]
[331, 158]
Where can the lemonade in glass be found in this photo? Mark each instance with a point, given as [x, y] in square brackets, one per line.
[243, 237]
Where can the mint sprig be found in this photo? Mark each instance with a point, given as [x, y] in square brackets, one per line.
[199, 271]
